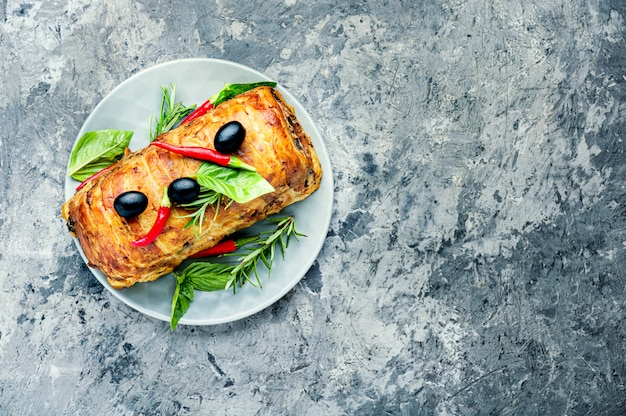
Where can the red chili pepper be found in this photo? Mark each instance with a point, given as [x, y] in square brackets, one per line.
[204, 153]
[92, 177]
[162, 216]
[223, 247]
[200, 111]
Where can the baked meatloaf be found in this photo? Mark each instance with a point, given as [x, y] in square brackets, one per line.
[275, 144]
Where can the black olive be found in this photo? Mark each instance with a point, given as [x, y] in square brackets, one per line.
[183, 190]
[130, 204]
[229, 137]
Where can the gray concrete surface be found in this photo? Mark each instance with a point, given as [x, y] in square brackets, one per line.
[475, 259]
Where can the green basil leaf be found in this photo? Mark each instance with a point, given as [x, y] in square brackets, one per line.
[96, 150]
[208, 277]
[183, 295]
[231, 90]
[239, 185]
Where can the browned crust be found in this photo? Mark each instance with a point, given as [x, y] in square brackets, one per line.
[275, 144]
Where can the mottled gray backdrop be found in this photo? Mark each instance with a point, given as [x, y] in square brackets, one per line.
[475, 260]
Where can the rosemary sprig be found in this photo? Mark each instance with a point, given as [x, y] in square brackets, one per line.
[211, 276]
[170, 114]
[263, 250]
[207, 198]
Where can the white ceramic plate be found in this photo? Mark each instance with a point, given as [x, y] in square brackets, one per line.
[129, 107]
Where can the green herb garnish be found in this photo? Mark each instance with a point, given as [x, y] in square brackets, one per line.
[170, 114]
[229, 91]
[207, 198]
[240, 185]
[210, 276]
[220, 185]
[97, 150]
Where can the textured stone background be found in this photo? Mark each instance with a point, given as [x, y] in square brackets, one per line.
[475, 261]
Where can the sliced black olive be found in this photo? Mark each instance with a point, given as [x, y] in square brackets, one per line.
[229, 137]
[130, 204]
[183, 190]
